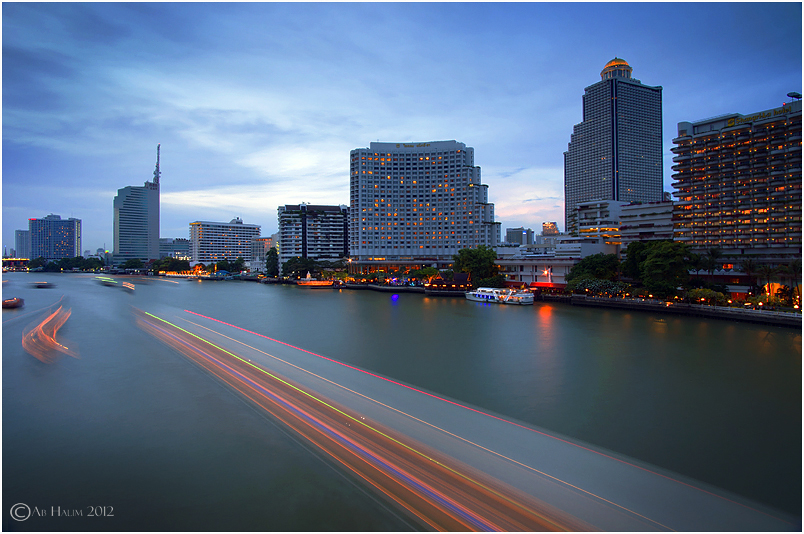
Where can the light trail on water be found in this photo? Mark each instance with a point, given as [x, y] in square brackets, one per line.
[434, 492]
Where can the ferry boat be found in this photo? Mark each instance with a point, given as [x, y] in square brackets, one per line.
[500, 296]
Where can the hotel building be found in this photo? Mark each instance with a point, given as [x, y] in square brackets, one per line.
[616, 152]
[211, 242]
[519, 236]
[416, 204]
[313, 231]
[54, 238]
[738, 184]
[136, 221]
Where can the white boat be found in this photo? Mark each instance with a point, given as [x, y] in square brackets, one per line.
[500, 296]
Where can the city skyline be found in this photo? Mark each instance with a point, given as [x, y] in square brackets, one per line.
[259, 105]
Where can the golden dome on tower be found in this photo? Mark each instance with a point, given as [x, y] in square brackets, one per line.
[617, 67]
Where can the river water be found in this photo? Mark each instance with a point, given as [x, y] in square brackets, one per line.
[132, 429]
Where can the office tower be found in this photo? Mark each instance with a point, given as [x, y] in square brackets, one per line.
[519, 236]
[616, 152]
[54, 238]
[22, 243]
[738, 183]
[415, 204]
[136, 220]
[211, 242]
[312, 231]
[549, 228]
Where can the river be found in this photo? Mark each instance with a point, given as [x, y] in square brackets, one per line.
[129, 427]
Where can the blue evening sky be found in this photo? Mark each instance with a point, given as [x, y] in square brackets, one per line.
[259, 104]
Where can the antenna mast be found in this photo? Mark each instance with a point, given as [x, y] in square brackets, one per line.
[157, 172]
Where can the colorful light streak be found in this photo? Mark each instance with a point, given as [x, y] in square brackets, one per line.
[465, 514]
[40, 340]
[620, 460]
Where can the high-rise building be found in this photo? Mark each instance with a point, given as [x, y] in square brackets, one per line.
[259, 248]
[519, 236]
[136, 220]
[549, 228]
[616, 152]
[738, 184]
[416, 204]
[22, 243]
[312, 231]
[54, 238]
[212, 242]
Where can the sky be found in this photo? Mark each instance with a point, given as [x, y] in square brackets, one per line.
[257, 105]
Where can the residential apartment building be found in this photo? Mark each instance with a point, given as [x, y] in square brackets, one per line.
[136, 221]
[416, 204]
[211, 242]
[738, 183]
[313, 231]
[646, 221]
[616, 152]
[54, 238]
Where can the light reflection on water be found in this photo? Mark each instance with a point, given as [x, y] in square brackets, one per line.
[697, 397]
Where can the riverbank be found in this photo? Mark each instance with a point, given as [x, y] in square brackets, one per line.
[698, 310]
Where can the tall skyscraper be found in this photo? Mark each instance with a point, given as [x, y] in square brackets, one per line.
[54, 238]
[738, 183]
[616, 152]
[136, 220]
[417, 204]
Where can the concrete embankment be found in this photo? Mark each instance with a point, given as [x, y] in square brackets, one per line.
[715, 312]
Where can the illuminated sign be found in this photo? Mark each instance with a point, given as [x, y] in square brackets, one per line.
[784, 110]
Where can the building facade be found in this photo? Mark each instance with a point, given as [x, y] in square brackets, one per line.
[550, 228]
[616, 152]
[519, 236]
[313, 231]
[416, 204]
[645, 221]
[136, 221]
[211, 242]
[54, 238]
[259, 248]
[178, 248]
[22, 244]
[738, 184]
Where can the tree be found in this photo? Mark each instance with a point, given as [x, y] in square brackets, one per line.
[223, 265]
[272, 263]
[238, 265]
[768, 272]
[479, 262]
[794, 270]
[748, 266]
[697, 263]
[37, 262]
[665, 268]
[600, 266]
[712, 261]
[298, 267]
[133, 263]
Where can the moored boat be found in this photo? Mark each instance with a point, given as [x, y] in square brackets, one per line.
[314, 283]
[500, 296]
[14, 302]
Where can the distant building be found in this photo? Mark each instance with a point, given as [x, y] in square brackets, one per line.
[211, 242]
[416, 204]
[738, 184]
[520, 236]
[549, 228]
[22, 243]
[259, 248]
[54, 238]
[136, 221]
[313, 231]
[616, 152]
[178, 248]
